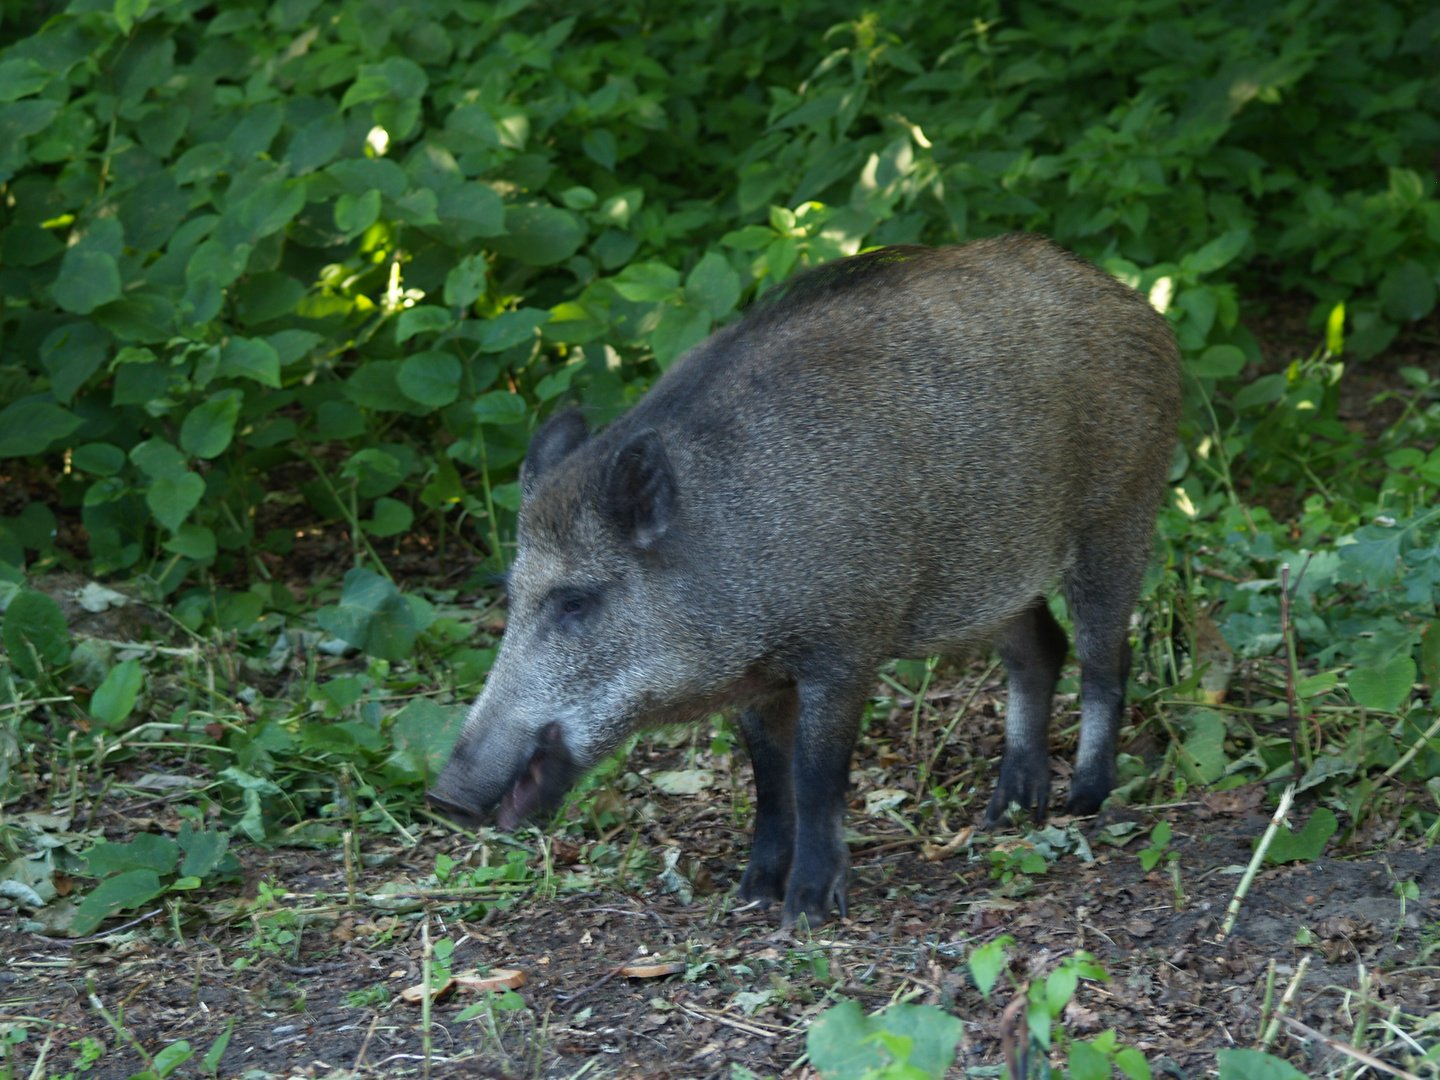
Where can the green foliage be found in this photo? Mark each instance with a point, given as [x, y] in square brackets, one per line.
[146, 867]
[1255, 1065]
[1305, 845]
[902, 1042]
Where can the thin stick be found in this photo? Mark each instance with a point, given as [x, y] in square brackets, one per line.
[365, 1045]
[1409, 755]
[1233, 912]
[1289, 643]
[427, 954]
[1348, 1050]
[1286, 1000]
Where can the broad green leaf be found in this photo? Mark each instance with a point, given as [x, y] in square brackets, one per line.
[1383, 689]
[1305, 845]
[844, 1043]
[126, 12]
[511, 328]
[1216, 254]
[713, 285]
[372, 616]
[1088, 1063]
[430, 378]
[356, 213]
[986, 963]
[171, 499]
[177, 1053]
[428, 731]
[467, 282]
[421, 320]
[390, 516]
[203, 849]
[1202, 757]
[1217, 362]
[208, 428]
[1408, 292]
[376, 386]
[250, 358]
[148, 851]
[500, 407]
[87, 279]
[539, 235]
[472, 210]
[679, 331]
[194, 542]
[159, 458]
[116, 894]
[35, 634]
[114, 700]
[20, 78]
[71, 355]
[29, 427]
[599, 145]
[1255, 1065]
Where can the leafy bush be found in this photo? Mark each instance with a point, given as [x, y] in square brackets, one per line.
[357, 250]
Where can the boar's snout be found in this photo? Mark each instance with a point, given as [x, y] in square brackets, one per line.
[542, 780]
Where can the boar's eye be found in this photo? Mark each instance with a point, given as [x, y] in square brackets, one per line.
[571, 607]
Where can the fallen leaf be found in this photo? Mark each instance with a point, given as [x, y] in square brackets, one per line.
[682, 781]
[1239, 800]
[497, 979]
[414, 995]
[653, 971]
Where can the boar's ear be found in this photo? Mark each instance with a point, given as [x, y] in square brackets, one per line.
[640, 490]
[559, 435]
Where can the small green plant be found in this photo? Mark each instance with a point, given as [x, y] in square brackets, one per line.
[147, 867]
[902, 1042]
[1012, 864]
[1159, 847]
[370, 998]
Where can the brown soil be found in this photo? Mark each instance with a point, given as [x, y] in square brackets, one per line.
[751, 989]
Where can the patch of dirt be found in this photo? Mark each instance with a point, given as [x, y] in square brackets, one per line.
[324, 999]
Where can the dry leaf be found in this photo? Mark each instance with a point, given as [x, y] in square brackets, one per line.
[652, 971]
[498, 979]
[414, 995]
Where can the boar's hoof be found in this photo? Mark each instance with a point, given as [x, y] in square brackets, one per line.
[1029, 786]
[1087, 792]
[815, 904]
[764, 882]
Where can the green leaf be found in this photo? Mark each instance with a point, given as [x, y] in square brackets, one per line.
[472, 210]
[29, 427]
[599, 146]
[511, 328]
[148, 851]
[467, 282]
[539, 235]
[1255, 1065]
[1202, 756]
[844, 1043]
[34, 630]
[20, 78]
[177, 1053]
[114, 700]
[356, 213]
[203, 850]
[1408, 292]
[428, 731]
[126, 12]
[500, 407]
[1383, 689]
[194, 542]
[680, 330]
[430, 378]
[87, 280]
[250, 358]
[171, 499]
[1305, 845]
[372, 615]
[391, 516]
[713, 285]
[98, 459]
[1088, 1063]
[209, 427]
[71, 355]
[1215, 254]
[116, 894]
[1217, 362]
[425, 319]
[987, 962]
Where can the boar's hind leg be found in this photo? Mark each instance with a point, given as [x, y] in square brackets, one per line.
[769, 730]
[1033, 648]
[828, 722]
[1102, 590]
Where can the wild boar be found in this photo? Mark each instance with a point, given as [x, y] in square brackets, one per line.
[896, 454]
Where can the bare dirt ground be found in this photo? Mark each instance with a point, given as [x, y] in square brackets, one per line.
[324, 1001]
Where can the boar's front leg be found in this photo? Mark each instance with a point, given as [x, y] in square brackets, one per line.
[769, 729]
[826, 728]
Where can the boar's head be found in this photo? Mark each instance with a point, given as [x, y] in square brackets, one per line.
[595, 640]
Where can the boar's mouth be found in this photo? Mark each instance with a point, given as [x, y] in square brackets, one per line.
[539, 785]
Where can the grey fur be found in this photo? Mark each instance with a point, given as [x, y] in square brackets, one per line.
[898, 456]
